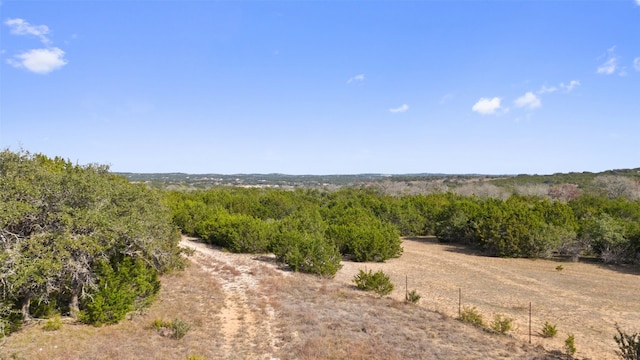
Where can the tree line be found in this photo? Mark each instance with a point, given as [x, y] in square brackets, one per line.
[309, 229]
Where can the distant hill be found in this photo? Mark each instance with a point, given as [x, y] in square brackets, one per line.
[195, 181]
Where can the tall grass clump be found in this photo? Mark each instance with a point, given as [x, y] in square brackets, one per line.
[501, 324]
[471, 315]
[549, 330]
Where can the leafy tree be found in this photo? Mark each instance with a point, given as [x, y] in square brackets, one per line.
[58, 221]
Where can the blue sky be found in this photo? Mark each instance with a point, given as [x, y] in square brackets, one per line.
[324, 87]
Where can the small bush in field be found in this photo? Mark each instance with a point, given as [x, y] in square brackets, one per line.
[412, 297]
[378, 282]
[471, 316]
[628, 345]
[501, 324]
[570, 345]
[175, 329]
[158, 324]
[180, 328]
[52, 324]
[549, 330]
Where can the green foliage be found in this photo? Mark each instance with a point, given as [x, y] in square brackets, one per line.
[458, 221]
[611, 227]
[58, 221]
[471, 315]
[525, 226]
[195, 357]
[237, 233]
[158, 324]
[378, 282]
[412, 297]
[570, 345]
[52, 324]
[125, 285]
[358, 233]
[175, 329]
[549, 330]
[307, 252]
[180, 328]
[628, 344]
[501, 324]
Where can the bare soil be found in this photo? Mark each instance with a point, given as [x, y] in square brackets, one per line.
[244, 306]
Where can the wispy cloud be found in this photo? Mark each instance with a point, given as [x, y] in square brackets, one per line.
[636, 62]
[445, 98]
[570, 86]
[529, 101]
[638, 2]
[611, 64]
[400, 109]
[356, 78]
[547, 89]
[21, 27]
[39, 61]
[486, 106]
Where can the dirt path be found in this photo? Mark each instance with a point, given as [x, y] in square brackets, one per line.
[582, 299]
[247, 319]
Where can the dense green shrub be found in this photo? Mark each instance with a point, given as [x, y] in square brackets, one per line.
[458, 220]
[124, 285]
[307, 252]
[238, 233]
[378, 282]
[360, 235]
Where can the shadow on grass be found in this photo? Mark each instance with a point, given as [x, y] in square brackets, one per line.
[474, 251]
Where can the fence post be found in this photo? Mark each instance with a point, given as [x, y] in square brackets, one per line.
[459, 302]
[406, 287]
[529, 322]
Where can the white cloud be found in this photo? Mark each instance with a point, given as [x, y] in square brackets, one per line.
[487, 106]
[21, 27]
[638, 2]
[636, 62]
[528, 100]
[402, 108]
[550, 89]
[609, 67]
[40, 61]
[359, 77]
[572, 85]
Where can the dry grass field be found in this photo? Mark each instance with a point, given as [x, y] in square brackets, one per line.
[245, 307]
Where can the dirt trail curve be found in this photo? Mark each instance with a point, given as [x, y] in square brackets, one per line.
[248, 321]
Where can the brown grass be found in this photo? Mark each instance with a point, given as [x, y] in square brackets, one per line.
[246, 307]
